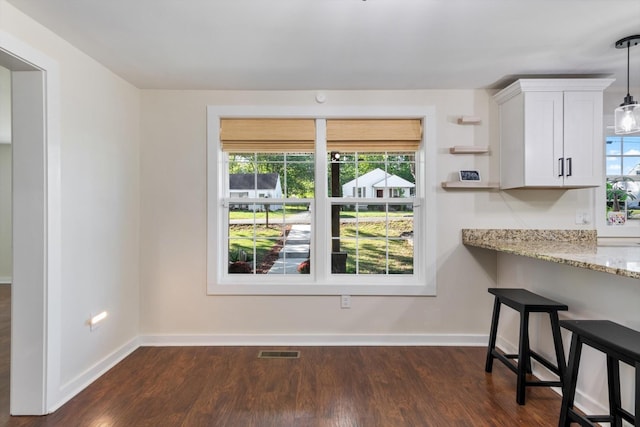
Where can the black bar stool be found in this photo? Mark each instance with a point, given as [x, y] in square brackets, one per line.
[619, 343]
[526, 302]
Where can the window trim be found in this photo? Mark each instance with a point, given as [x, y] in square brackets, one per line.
[422, 283]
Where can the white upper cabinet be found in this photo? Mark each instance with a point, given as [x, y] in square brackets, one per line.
[551, 133]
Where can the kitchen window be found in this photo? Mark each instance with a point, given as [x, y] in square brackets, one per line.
[307, 205]
[621, 194]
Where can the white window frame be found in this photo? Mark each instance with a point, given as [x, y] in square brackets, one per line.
[630, 228]
[322, 282]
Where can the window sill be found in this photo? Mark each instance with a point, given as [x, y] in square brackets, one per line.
[305, 288]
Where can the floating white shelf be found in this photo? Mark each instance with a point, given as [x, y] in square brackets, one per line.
[468, 149]
[469, 185]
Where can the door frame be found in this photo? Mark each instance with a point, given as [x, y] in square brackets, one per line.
[36, 291]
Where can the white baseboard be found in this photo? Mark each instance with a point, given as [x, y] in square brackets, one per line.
[79, 383]
[315, 340]
[5, 280]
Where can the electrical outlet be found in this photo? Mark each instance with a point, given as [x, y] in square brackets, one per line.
[345, 301]
[582, 217]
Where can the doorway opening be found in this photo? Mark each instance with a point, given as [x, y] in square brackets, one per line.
[35, 227]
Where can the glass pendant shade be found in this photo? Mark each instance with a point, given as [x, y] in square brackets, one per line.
[627, 119]
[627, 115]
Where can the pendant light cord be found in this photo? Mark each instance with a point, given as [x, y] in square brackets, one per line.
[628, 59]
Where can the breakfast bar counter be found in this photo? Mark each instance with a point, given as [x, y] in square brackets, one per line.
[578, 248]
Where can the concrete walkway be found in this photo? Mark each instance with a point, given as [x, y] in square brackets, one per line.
[295, 250]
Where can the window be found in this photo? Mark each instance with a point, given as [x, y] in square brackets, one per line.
[280, 191]
[300, 205]
[622, 191]
[359, 191]
[372, 235]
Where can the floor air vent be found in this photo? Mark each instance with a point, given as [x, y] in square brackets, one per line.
[275, 354]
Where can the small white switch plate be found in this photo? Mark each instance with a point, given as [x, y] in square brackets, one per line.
[345, 301]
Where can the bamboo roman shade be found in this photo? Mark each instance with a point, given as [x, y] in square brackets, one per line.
[267, 135]
[374, 135]
[298, 135]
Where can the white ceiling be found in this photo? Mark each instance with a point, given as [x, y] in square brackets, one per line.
[345, 44]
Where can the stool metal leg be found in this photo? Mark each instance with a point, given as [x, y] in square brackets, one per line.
[492, 335]
[615, 404]
[524, 360]
[569, 386]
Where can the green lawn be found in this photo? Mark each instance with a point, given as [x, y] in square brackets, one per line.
[375, 214]
[289, 211]
[241, 239]
[633, 213]
[371, 245]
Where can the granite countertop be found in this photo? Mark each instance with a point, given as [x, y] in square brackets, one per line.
[579, 248]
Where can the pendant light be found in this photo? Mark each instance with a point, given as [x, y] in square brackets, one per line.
[627, 115]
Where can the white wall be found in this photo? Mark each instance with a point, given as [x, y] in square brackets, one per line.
[5, 176]
[99, 150]
[173, 230]
[5, 213]
[5, 106]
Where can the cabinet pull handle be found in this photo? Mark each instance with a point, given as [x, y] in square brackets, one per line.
[568, 166]
[561, 166]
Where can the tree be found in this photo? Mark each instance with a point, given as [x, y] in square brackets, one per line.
[266, 212]
[617, 192]
[296, 170]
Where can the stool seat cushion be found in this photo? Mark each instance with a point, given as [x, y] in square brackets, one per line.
[617, 338]
[521, 299]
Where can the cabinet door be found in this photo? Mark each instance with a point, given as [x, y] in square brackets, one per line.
[543, 139]
[583, 139]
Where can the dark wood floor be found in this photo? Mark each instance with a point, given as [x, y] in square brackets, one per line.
[326, 386]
